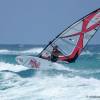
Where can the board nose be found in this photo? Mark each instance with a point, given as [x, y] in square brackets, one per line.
[19, 59]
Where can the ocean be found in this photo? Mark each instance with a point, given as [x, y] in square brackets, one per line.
[75, 81]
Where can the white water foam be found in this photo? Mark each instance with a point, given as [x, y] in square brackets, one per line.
[34, 50]
[26, 52]
[52, 88]
[43, 87]
[11, 67]
[16, 67]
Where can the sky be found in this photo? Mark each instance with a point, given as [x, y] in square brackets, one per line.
[39, 21]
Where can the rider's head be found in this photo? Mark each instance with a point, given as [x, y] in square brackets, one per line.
[55, 47]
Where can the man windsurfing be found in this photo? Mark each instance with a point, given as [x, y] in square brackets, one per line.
[68, 45]
[55, 54]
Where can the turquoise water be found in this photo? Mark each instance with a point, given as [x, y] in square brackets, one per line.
[75, 81]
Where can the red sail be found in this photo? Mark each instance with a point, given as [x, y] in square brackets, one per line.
[72, 40]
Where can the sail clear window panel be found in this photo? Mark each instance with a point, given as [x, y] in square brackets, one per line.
[87, 36]
[73, 29]
[94, 20]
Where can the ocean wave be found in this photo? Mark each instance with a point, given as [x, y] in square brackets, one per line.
[11, 67]
[45, 85]
[50, 88]
[98, 58]
[87, 53]
[36, 51]
[16, 67]
[33, 51]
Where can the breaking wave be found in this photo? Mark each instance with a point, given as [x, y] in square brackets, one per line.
[78, 81]
[33, 51]
[40, 86]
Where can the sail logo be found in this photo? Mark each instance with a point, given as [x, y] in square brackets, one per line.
[34, 63]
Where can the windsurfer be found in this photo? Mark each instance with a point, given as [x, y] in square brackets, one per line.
[55, 54]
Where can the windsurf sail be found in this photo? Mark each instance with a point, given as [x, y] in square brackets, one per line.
[72, 40]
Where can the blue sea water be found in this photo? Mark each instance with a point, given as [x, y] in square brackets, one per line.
[75, 81]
